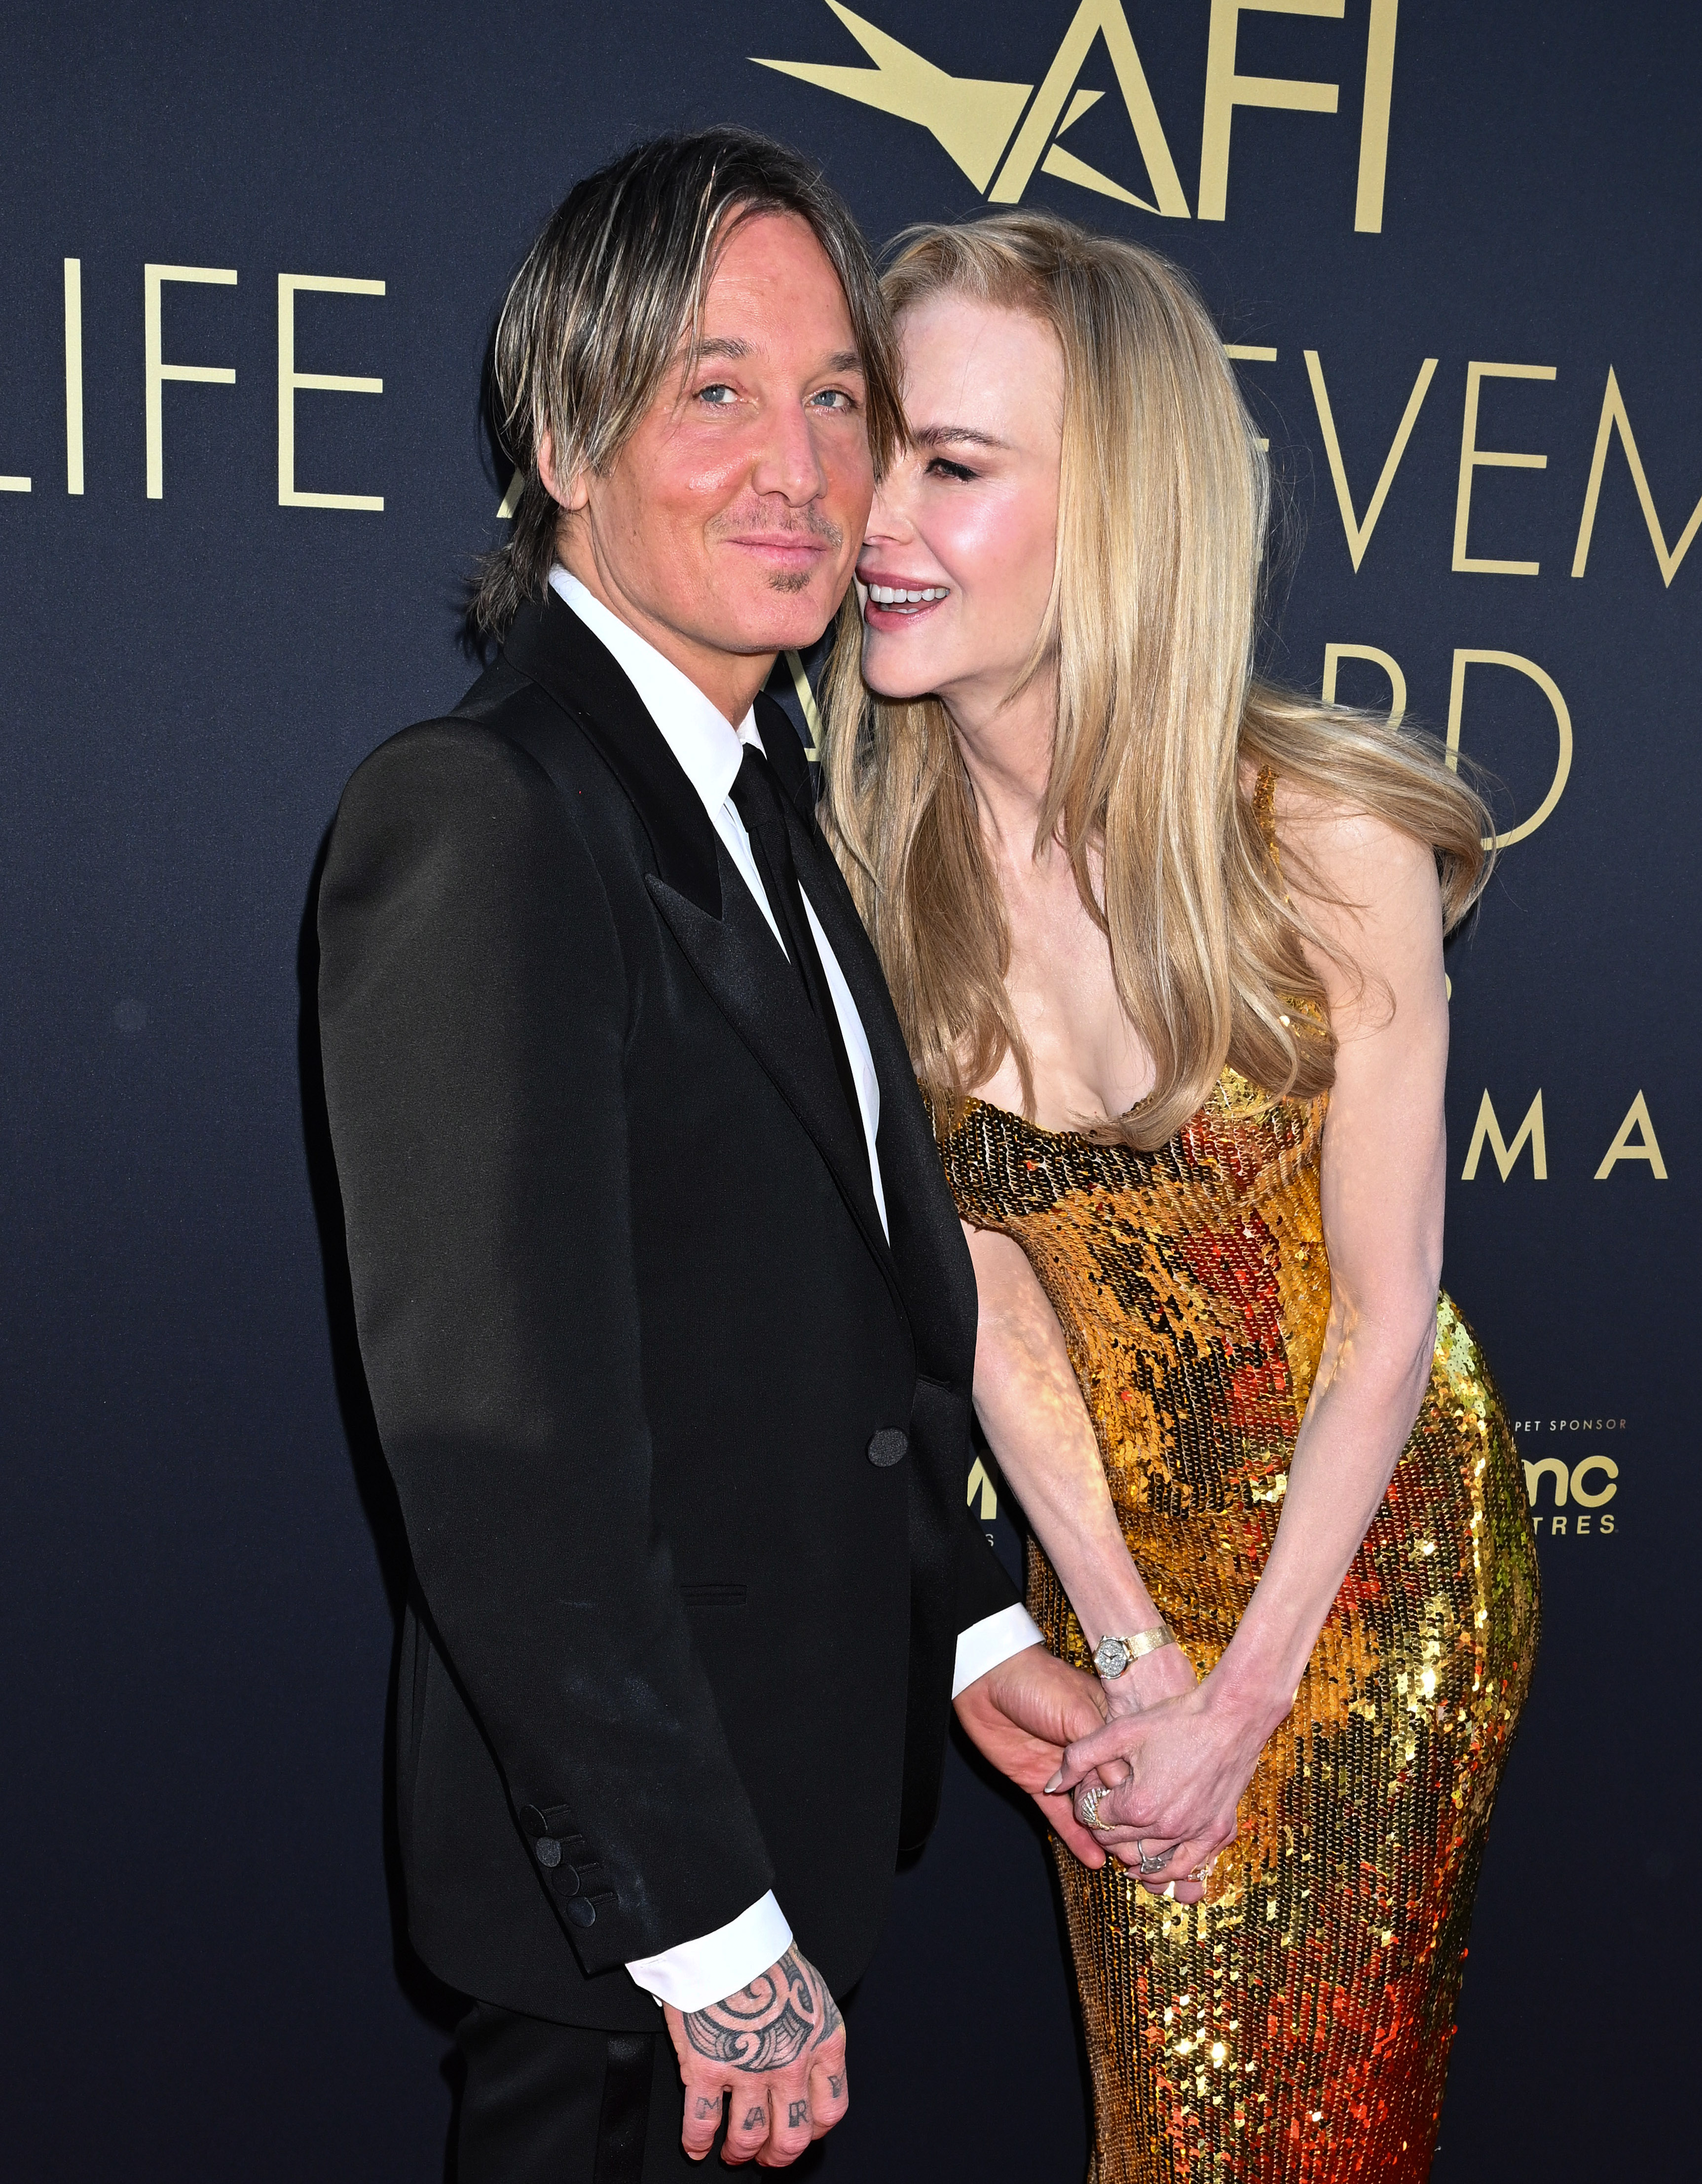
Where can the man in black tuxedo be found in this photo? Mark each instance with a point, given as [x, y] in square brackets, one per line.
[665, 1310]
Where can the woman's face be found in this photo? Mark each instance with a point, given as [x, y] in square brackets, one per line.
[966, 517]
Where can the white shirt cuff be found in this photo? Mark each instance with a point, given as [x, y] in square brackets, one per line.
[994, 1638]
[718, 1965]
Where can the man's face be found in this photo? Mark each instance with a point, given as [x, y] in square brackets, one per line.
[726, 528]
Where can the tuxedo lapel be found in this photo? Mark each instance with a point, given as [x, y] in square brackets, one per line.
[740, 962]
[551, 647]
[700, 894]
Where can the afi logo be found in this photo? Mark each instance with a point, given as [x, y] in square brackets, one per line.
[998, 133]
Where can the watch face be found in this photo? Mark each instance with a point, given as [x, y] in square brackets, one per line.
[1112, 1657]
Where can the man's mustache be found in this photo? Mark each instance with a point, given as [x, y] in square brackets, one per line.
[806, 522]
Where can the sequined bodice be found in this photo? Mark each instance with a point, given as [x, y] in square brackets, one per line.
[1190, 1282]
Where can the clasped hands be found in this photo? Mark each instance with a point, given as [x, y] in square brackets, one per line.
[1158, 1762]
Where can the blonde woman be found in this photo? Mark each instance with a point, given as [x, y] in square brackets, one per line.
[1167, 946]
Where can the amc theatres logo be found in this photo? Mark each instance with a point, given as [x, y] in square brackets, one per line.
[1577, 1497]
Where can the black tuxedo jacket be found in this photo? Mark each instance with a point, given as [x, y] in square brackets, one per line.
[681, 1442]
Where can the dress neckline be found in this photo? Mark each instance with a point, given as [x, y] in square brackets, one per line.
[1039, 1130]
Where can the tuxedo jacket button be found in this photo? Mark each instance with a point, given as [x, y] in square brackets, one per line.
[547, 1850]
[580, 1912]
[889, 1446]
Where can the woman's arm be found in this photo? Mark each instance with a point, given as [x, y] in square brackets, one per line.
[1031, 1410]
[1383, 1179]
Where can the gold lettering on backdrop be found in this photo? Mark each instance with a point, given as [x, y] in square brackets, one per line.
[324, 382]
[970, 118]
[73, 374]
[1488, 1132]
[1613, 417]
[1360, 534]
[1473, 458]
[974, 118]
[1374, 119]
[155, 372]
[1390, 666]
[1093, 18]
[1534, 1473]
[990, 1500]
[1646, 1148]
[1581, 1472]
[1226, 90]
[1248, 353]
[1563, 721]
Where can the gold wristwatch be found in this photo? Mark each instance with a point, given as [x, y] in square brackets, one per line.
[1112, 1655]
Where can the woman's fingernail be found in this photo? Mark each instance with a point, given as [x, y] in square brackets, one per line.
[1055, 1784]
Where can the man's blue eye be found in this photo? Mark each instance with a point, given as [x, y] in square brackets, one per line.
[719, 395]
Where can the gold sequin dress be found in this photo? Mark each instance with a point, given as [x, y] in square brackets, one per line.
[1296, 2025]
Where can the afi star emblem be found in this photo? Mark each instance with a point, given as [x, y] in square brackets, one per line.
[998, 133]
[974, 120]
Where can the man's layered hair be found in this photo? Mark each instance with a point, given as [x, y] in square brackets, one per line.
[608, 304]
[1164, 498]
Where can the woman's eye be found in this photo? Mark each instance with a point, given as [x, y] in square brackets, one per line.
[940, 468]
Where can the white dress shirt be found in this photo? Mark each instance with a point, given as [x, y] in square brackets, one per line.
[710, 751]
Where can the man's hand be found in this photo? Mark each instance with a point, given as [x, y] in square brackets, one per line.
[777, 2046]
[1021, 1715]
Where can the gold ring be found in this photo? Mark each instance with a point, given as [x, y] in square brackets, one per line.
[1088, 1811]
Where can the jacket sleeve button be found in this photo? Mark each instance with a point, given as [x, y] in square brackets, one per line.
[582, 1912]
[889, 1446]
[548, 1849]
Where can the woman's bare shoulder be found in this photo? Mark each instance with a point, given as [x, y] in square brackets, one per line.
[1334, 850]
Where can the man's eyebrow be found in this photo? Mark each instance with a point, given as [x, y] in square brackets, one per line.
[844, 360]
[954, 436]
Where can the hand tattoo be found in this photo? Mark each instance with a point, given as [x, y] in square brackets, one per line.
[755, 2119]
[797, 2112]
[768, 2024]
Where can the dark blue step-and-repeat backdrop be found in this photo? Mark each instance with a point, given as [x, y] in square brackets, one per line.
[249, 259]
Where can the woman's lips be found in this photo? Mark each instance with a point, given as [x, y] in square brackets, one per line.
[889, 602]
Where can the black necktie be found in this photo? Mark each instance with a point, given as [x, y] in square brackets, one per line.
[756, 798]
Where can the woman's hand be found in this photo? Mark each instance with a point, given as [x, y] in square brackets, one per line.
[1188, 1759]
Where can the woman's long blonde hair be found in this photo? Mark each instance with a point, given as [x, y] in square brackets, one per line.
[1162, 509]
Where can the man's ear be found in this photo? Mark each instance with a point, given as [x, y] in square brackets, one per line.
[569, 494]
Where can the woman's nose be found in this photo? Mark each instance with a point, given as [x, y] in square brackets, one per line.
[888, 519]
